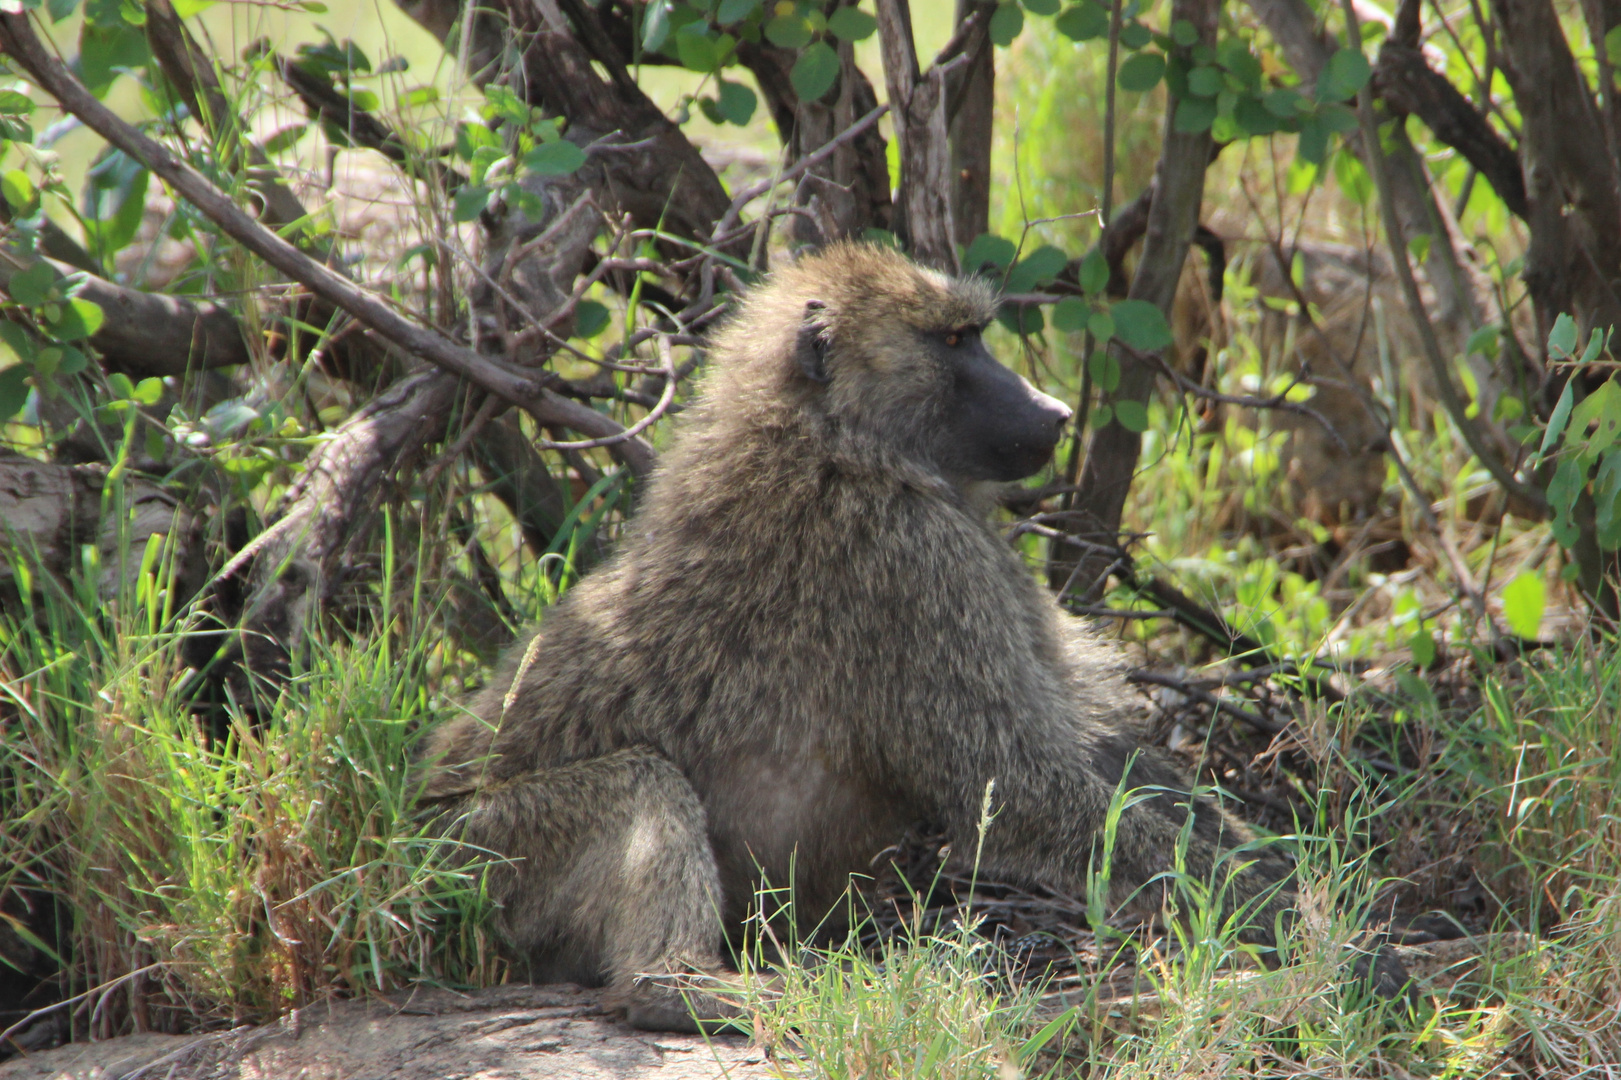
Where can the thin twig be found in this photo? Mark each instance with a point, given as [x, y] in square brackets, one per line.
[809, 161]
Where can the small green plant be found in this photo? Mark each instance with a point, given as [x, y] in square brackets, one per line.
[201, 881]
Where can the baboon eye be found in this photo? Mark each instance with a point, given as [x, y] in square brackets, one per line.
[954, 338]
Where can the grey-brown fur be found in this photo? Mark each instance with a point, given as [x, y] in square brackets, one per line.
[812, 639]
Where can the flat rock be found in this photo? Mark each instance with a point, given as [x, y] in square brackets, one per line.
[501, 1033]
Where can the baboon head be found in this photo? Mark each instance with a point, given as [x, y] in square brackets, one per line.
[890, 355]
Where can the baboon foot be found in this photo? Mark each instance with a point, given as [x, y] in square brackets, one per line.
[692, 1003]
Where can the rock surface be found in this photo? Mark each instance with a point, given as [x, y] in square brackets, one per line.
[503, 1033]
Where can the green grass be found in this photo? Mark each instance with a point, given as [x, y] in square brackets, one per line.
[241, 880]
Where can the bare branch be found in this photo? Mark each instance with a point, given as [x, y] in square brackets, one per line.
[1439, 369]
[1407, 83]
[20, 42]
[149, 333]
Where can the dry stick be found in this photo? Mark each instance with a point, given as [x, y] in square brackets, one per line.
[809, 161]
[1432, 346]
[1454, 557]
[1426, 330]
[18, 40]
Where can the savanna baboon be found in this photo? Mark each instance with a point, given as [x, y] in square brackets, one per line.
[812, 639]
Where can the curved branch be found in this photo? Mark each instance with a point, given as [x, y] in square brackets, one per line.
[19, 41]
[1408, 84]
[148, 333]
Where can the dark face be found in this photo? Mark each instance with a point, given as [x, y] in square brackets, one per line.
[998, 427]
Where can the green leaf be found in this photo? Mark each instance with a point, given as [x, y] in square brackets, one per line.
[736, 102]
[18, 339]
[187, 8]
[1523, 601]
[1559, 418]
[815, 72]
[1043, 264]
[1131, 415]
[1602, 406]
[114, 200]
[1240, 62]
[1204, 81]
[1422, 646]
[1284, 104]
[1353, 176]
[32, 287]
[1562, 338]
[851, 24]
[1142, 72]
[988, 249]
[1416, 689]
[73, 361]
[1070, 315]
[731, 11]
[696, 47]
[1184, 33]
[1101, 324]
[1023, 319]
[1006, 22]
[1194, 115]
[1313, 144]
[1484, 341]
[13, 391]
[1254, 117]
[1134, 35]
[1612, 45]
[61, 9]
[1105, 370]
[288, 137]
[1094, 273]
[77, 320]
[789, 31]
[1140, 325]
[1347, 72]
[1102, 417]
[13, 103]
[1339, 118]
[1596, 344]
[1083, 21]
[470, 201]
[1418, 246]
[656, 25]
[1606, 495]
[148, 391]
[590, 319]
[18, 189]
[558, 158]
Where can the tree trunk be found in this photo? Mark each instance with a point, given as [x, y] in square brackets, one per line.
[1111, 454]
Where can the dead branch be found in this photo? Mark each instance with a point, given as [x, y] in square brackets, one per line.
[148, 334]
[1217, 705]
[1407, 83]
[20, 42]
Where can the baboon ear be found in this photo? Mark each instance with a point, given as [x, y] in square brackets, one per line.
[811, 348]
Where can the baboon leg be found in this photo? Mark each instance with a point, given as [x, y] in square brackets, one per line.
[608, 878]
